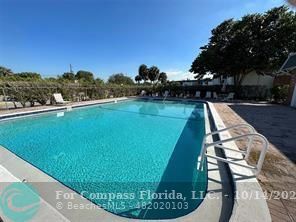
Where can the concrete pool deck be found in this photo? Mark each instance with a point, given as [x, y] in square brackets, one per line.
[217, 176]
[277, 123]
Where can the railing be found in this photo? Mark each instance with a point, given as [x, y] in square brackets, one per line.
[219, 144]
[166, 94]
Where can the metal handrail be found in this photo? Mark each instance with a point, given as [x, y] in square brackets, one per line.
[246, 153]
[165, 96]
[241, 125]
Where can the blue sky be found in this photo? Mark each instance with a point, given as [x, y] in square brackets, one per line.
[111, 36]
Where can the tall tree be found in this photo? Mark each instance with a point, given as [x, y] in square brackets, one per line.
[153, 73]
[119, 79]
[143, 72]
[138, 79]
[257, 42]
[163, 77]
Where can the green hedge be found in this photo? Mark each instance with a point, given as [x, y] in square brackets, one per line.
[42, 91]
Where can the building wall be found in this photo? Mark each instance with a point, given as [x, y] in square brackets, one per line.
[253, 79]
[191, 83]
[216, 81]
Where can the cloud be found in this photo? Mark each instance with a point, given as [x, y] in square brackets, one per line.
[179, 75]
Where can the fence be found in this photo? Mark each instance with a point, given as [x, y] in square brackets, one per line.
[22, 94]
[30, 94]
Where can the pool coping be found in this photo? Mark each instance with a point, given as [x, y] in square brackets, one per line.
[107, 215]
[253, 208]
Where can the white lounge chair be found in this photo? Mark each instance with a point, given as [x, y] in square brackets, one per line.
[187, 95]
[197, 94]
[59, 98]
[143, 93]
[230, 96]
[208, 95]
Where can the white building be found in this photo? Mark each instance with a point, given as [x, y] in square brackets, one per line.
[251, 79]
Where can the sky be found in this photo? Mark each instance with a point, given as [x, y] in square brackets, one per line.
[112, 36]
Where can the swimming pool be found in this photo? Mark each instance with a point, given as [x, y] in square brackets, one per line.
[119, 155]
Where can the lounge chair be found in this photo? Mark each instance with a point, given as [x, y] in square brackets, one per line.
[187, 95]
[197, 94]
[143, 93]
[208, 95]
[59, 98]
[230, 96]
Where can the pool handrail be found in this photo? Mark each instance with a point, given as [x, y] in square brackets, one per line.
[218, 144]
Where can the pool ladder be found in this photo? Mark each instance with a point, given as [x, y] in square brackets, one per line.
[219, 144]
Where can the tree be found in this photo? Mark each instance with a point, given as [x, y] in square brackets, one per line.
[153, 73]
[143, 72]
[257, 42]
[99, 81]
[138, 79]
[163, 77]
[84, 76]
[69, 76]
[5, 72]
[120, 79]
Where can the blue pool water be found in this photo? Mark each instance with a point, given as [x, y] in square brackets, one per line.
[134, 147]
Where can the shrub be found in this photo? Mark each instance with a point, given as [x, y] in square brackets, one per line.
[280, 93]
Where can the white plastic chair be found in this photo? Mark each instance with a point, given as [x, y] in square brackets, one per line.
[59, 98]
[197, 94]
[143, 93]
[187, 95]
[230, 96]
[208, 95]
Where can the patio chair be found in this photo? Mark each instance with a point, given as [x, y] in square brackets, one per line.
[166, 93]
[215, 96]
[208, 95]
[197, 94]
[230, 96]
[187, 95]
[143, 93]
[59, 98]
